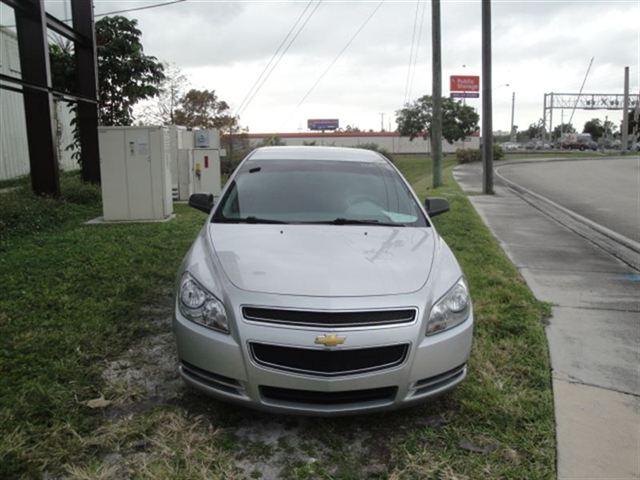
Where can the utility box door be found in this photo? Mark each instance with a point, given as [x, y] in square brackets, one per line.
[113, 165]
[141, 201]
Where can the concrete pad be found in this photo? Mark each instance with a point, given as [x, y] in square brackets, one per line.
[603, 291]
[589, 347]
[599, 431]
[102, 221]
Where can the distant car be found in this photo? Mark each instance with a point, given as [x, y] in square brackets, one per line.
[510, 146]
[319, 285]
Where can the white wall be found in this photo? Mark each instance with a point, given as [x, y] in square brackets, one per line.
[14, 151]
[391, 142]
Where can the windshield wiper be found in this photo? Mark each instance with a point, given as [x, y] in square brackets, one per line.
[352, 221]
[250, 219]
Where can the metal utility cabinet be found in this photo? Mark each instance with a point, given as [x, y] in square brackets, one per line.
[136, 175]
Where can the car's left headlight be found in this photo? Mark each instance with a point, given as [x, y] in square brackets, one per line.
[201, 306]
[452, 309]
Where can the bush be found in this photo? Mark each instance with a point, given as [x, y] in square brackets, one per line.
[469, 155]
[376, 148]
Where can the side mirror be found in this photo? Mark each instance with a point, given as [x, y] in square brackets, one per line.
[436, 206]
[201, 201]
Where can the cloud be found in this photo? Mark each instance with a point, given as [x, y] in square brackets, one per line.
[538, 47]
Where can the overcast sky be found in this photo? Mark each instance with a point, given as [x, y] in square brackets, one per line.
[538, 47]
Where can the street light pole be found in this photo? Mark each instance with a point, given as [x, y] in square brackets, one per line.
[625, 112]
[513, 104]
[436, 94]
[487, 123]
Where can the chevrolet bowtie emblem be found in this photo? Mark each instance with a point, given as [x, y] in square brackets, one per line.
[330, 340]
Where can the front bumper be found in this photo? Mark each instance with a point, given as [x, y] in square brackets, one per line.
[222, 365]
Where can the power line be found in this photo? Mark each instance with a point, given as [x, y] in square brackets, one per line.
[286, 49]
[413, 42]
[135, 9]
[337, 57]
[417, 51]
[273, 57]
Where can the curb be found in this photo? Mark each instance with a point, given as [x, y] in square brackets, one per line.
[616, 244]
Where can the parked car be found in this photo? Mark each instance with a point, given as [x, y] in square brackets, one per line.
[510, 146]
[319, 285]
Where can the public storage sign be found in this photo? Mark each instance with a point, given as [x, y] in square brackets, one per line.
[464, 83]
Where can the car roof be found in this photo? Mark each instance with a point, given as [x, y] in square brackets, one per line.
[317, 153]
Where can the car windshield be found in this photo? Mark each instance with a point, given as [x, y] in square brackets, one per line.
[313, 191]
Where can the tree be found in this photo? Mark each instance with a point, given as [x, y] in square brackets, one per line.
[610, 128]
[535, 130]
[458, 120]
[594, 127]
[125, 74]
[633, 122]
[203, 109]
[559, 130]
[161, 110]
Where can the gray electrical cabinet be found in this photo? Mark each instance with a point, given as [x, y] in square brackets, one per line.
[135, 173]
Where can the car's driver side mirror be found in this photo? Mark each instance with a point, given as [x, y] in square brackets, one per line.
[201, 201]
[436, 206]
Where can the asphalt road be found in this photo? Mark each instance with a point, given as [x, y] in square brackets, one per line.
[604, 190]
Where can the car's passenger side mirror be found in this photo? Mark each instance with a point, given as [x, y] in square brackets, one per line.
[201, 201]
[436, 206]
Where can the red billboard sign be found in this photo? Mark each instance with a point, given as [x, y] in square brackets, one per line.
[464, 83]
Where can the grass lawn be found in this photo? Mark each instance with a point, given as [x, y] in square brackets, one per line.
[78, 300]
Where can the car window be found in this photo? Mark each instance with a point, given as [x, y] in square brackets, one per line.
[311, 191]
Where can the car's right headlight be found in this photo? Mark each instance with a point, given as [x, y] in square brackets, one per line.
[200, 306]
[451, 310]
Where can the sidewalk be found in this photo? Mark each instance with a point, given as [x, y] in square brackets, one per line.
[594, 333]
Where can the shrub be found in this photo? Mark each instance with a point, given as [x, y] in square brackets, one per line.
[376, 148]
[469, 155]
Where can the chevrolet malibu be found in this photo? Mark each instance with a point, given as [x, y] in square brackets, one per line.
[319, 285]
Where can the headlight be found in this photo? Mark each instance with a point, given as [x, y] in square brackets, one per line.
[201, 306]
[451, 310]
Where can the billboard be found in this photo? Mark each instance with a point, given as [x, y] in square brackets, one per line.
[465, 95]
[323, 124]
[464, 83]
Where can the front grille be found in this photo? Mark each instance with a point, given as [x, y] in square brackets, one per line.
[329, 362]
[312, 397]
[329, 319]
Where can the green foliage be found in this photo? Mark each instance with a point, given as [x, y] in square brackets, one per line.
[535, 130]
[126, 75]
[562, 129]
[376, 148]
[24, 213]
[595, 128]
[203, 109]
[470, 155]
[272, 141]
[458, 120]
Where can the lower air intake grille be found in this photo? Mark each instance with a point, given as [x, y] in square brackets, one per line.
[329, 362]
[311, 397]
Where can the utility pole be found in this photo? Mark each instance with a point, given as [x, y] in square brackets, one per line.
[382, 121]
[625, 112]
[487, 123]
[436, 94]
[513, 104]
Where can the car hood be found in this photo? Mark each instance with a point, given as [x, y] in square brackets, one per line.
[324, 260]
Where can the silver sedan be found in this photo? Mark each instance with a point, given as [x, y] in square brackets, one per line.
[319, 285]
